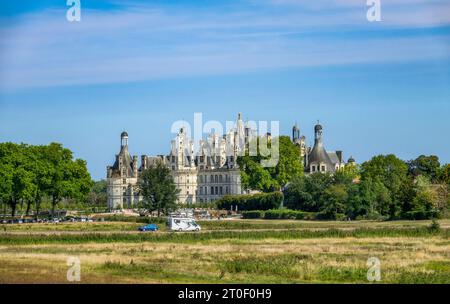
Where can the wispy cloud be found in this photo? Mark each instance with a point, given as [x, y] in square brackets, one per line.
[143, 42]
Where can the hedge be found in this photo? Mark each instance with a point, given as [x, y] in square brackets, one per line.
[254, 214]
[279, 214]
[260, 201]
[289, 214]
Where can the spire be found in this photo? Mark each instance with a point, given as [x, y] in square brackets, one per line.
[124, 139]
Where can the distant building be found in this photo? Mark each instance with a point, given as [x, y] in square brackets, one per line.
[201, 177]
[211, 172]
[320, 160]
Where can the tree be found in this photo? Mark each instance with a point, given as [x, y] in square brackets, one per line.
[6, 184]
[375, 198]
[392, 173]
[334, 201]
[346, 175]
[296, 197]
[41, 167]
[425, 203]
[267, 179]
[158, 189]
[98, 194]
[425, 165]
[444, 174]
[68, 178]
[305, 192]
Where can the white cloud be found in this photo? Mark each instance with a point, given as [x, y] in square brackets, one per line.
[142, 43]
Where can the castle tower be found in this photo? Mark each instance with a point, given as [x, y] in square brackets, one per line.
[122, 177]
[299, 141]
[318, 158]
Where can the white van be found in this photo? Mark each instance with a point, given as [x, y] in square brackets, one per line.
[182, 224]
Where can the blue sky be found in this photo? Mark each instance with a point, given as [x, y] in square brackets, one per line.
[377, 88]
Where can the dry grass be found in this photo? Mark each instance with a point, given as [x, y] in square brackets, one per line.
[421, 259]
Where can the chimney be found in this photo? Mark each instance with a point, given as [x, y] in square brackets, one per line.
[339, 155]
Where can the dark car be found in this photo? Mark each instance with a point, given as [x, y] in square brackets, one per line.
[150, 227]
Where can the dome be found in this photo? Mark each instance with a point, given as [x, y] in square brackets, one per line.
[318, 127]
[351, 160]
[124, 134]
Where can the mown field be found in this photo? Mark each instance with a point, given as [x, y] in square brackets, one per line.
[238, 251]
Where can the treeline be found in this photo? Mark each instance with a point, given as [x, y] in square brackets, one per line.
[30, 175]
[385, 187]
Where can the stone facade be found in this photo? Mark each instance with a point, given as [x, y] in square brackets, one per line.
[211, 171]
[202, 176]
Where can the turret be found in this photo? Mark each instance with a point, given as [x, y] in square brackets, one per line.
[295, 133]
[318, 133]
[124, 139]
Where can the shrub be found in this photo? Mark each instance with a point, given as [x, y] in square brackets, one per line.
[260, 201]
[330, 216]
[434, 226]
[421, 215]
[254, 214]
[289, 214]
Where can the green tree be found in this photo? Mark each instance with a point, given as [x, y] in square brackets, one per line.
[98, 195]
[334, 201]
[68, 178]
[158, 189]
[305, 192]
[296, 197]
[267, 179]
[425, 165]
[392, 173]
[6, 184]
[444, 174]
[425, 203]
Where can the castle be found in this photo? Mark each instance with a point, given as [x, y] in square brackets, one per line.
[211, 172]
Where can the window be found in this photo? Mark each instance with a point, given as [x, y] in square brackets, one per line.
[217, 191]
[124, 181]
[217, 179]
[212, 179]
[220, 178]
[323, 168]
[313, 168]
[221, 191]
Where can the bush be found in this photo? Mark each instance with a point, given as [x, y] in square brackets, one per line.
[434, 226]
[254, 214]
[289, 214]
[421, 215]
[260, 201]
[330, 216]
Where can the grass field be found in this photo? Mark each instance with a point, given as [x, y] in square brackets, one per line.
[238, 251]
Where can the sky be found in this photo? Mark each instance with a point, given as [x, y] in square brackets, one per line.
[376, 87]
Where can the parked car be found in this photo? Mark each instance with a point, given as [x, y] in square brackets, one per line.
[150, 227]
